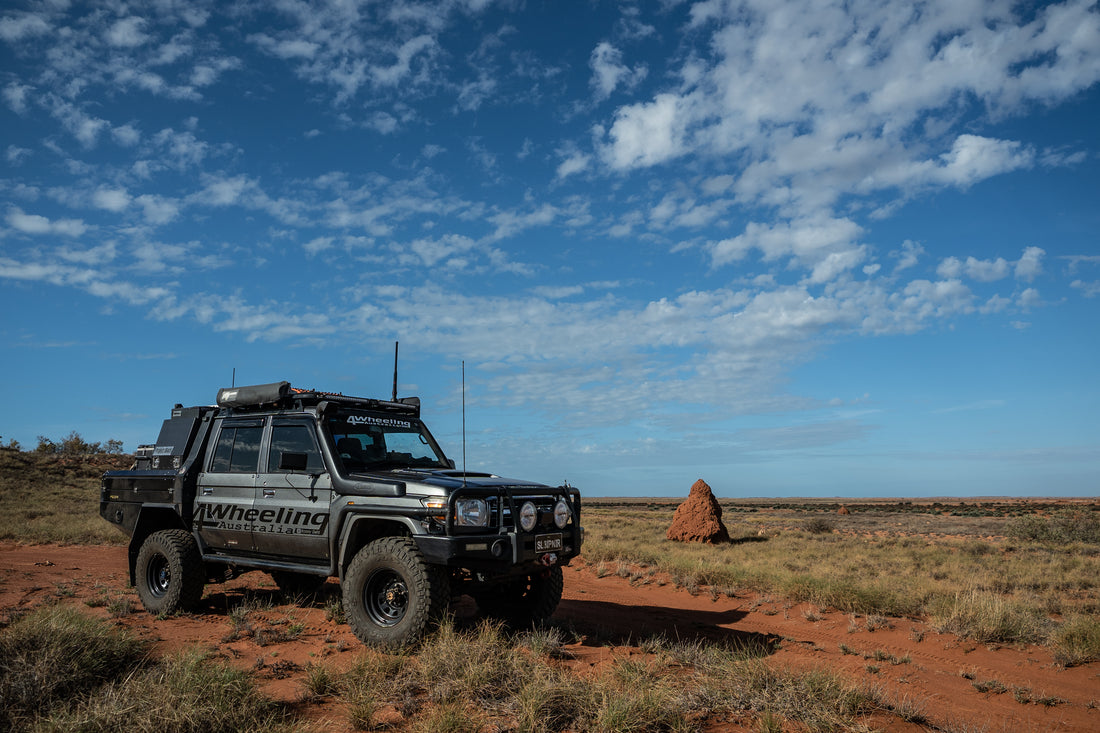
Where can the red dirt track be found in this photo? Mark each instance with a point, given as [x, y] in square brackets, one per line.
[933, 672]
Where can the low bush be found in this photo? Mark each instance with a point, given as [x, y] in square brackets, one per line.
[1060, 527]
[1077, 641]
[54, 654]
[987, 617]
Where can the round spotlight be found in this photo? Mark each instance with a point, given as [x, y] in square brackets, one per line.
[528, 515]
[561, 514]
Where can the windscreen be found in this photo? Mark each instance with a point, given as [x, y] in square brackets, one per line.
[368, 442]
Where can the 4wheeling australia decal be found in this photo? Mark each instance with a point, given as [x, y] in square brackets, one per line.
[243, 518]
[387, 422]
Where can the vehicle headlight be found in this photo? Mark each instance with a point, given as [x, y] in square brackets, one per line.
[528, 515]
[561, 514]
[471, 513]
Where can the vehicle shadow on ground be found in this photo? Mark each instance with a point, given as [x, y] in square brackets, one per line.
[605, 622]
[222, 601]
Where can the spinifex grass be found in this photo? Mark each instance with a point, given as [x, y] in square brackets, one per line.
[54, 499]
[1012, 586]
[502, 680]
[63, 671]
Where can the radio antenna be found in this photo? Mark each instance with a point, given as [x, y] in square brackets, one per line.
[395, 344]
[464, 423]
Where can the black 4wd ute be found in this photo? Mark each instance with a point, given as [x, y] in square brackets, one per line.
[306, 485]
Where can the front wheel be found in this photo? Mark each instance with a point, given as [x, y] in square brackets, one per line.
[169, 572]
[391, 594]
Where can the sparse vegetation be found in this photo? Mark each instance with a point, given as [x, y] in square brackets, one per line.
[1061, 527]
[1077, 641]
[1025, 579]
[54, 497]
[1012, 588]
[63, 671]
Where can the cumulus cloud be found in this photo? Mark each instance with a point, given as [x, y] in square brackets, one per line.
[36, 224]
[21, 26]
[648, 133]
[111, 199]
[1030, 264]
[857, 98]
[127, 32]
[828, 246]
[609, 72]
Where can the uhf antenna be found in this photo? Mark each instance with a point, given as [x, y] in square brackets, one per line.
[464, 423]
[395, 343]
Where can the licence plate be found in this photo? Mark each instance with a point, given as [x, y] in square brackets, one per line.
[548, 543]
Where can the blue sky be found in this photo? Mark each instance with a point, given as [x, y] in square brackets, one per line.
[791, 248]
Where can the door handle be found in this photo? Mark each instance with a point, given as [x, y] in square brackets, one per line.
[269, 493]
[207, 491]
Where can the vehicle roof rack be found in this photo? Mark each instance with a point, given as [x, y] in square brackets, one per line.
[281, 395]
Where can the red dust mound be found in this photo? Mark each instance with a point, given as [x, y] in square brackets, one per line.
[699, 518]
[843, 510]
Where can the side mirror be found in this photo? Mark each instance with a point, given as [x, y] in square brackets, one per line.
[293, 461]
[451, 461]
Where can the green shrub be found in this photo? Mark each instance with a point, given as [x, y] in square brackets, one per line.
[1061, 527]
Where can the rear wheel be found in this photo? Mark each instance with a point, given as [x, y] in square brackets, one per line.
[169, 572]
[523, 601]
[391, 595]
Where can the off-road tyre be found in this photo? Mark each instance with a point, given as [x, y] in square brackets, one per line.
[298, 584]
[169, 572]
[528, 600]
[392, 595]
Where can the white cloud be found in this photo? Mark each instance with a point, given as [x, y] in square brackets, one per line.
[1026, 268]
[127, 32]
[1087, 288]
[15, 28]
[37, 224]
[950, 267]
[126, 135]
[402, 67]
[908, 256]
[814, 103]
[15, 155]
[111, 199]
[100, 255]
[974, 158]
[16, 97]
[986, 270]
[1030, 264]
[575, 162]
[157, 209]
[1029, 298]
[649, 133]
[288, 48]
[812, 241]
[609, 72]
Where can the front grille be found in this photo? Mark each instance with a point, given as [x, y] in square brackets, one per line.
[502, 503]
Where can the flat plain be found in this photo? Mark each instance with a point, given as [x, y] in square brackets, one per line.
[946, 614]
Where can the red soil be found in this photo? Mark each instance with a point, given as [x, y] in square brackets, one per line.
[937, 678]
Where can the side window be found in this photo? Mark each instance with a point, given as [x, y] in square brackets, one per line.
[294, 439]
[238, 450]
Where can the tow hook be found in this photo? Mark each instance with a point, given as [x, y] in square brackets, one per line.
[550, 559]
